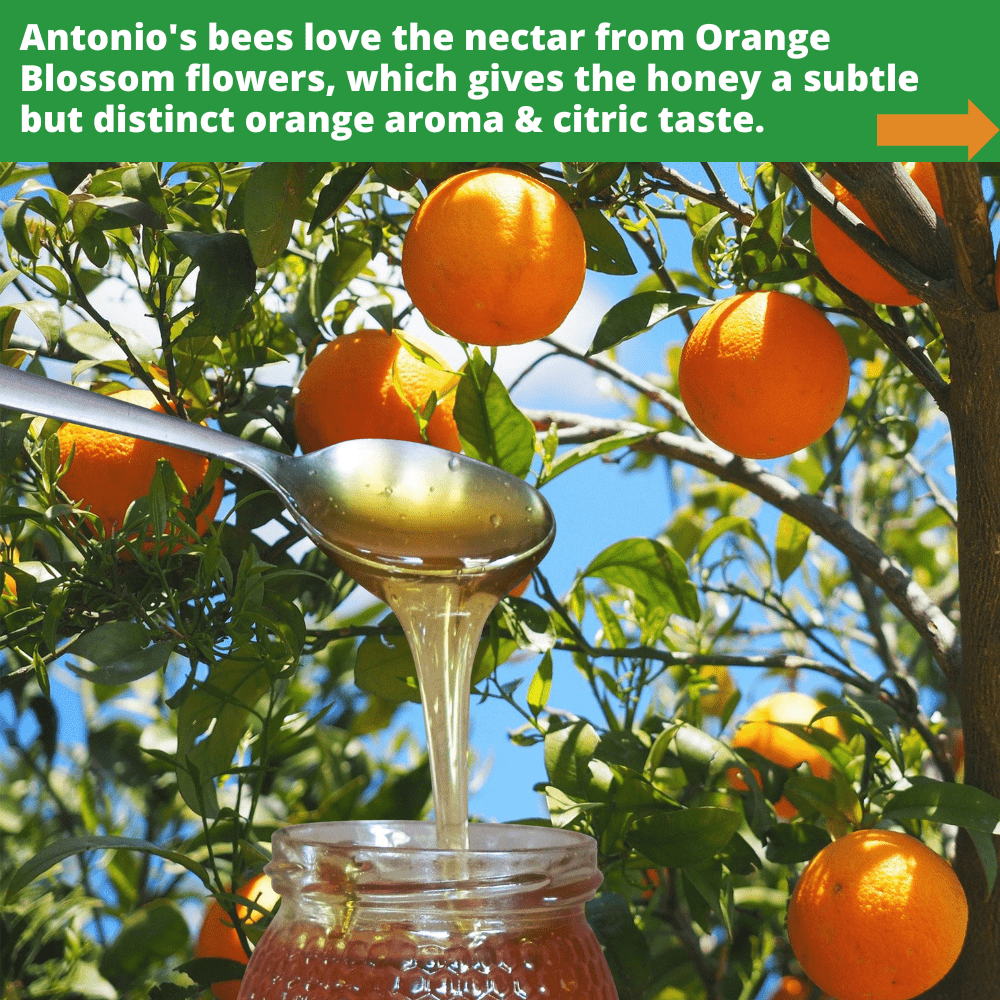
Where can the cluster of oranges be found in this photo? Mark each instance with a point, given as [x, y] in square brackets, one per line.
[764, 374]
[876, 915]
[496, 257]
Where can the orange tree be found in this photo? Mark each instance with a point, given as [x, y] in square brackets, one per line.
[224, 690]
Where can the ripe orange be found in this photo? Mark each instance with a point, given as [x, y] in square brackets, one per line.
[218, 938]
[779, 745]
[877, 916]
[764, 374]
[367, 385]
[847, 262]
[109, 471]
[793, 988]
[519, 590]
[494, 257]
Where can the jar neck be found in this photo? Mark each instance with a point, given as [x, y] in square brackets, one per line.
[394, 871]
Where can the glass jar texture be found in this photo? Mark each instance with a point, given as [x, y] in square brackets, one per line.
[374, 911]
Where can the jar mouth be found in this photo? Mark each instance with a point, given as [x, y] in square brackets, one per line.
[417, 835]
[390, 859]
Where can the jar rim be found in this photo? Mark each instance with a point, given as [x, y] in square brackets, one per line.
[391, 859]
[419, 836]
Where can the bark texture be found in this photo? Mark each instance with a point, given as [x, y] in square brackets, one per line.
[974, 347]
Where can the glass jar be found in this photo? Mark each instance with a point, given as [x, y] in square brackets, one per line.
[374, 911]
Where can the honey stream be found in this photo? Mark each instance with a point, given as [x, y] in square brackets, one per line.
[442, 601]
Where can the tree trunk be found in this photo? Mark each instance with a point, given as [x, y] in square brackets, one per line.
[974, 411]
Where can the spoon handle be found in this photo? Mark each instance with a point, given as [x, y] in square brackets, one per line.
[50, 398]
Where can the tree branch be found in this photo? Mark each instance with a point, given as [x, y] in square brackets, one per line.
[674, 181]
[965, 210]
[895, 335]
[933, 286]
[904, 216]
[913, 602]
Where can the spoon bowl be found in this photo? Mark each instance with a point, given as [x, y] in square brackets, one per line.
[376, 506]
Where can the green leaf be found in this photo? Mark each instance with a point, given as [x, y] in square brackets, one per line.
[540, 686]
[211, 722]
[638, 313]
[684, 837]
[762, 242]
[147, 937]
[143, 183]
[708, 240]
[384, 668]
[66, 847]
[335, 193]
[95, 246]
[274, 194]
[93, 341]
[15, 229]
[731, 524]
[654, 572]
[568, 752]
[713, 885]
[575, 456]
[226, 278]
[790, 547]
[625, 947]
[206, 971]
[792, 843]
[598, 178]
[606, 250]
[109, 643]
[945, 802]
[46, 316]
[118, 211]
[987, 852]
[490, 426]
[129, 667]
[339, 269]
[900, 434]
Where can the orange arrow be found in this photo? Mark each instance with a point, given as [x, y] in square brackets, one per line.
[973, 130]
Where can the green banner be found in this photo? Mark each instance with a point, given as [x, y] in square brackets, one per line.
[520, 81]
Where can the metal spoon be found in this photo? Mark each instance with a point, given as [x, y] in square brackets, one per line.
[376, 506]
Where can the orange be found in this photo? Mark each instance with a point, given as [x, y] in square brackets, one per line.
[519, 590]
[494, 257]
[368, 385]
[218, 938]
[847, 262]
[793, 988]
[778, 745]
[764, 374]
[652, 879]
[877, 916]
[109, 471]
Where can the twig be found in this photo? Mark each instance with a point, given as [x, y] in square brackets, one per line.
[659, 268]
[674, 181]
[643, 386]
